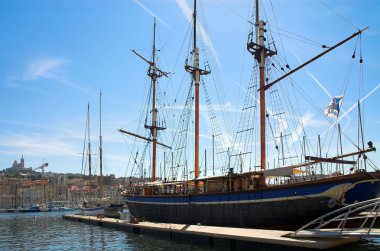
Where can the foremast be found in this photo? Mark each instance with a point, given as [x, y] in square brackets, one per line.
[196, 72]
[154, 73]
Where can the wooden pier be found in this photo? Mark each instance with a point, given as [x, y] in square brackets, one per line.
[235, 238]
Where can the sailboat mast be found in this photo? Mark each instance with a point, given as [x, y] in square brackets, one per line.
[261, 60]
[154, 110]
[100, 148]
[89, 149]
[196, 79]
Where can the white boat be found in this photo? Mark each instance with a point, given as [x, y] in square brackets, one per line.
[92, 211]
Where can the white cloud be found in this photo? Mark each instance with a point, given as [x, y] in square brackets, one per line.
[69, 129]
[37, 145]
[56, 140]
[43, 68]
[307, 120]
[21, 123]
[10, 82]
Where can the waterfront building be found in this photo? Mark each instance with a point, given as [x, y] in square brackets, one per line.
[23, 187]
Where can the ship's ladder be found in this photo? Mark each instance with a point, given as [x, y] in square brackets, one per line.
[354, 220]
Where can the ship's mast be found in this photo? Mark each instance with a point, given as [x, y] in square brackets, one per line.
[153, 128]
[196, 71]
[89, 149]
[258, 50]
[261, 60]
[100, 148]
[196, 79]
[153, 73]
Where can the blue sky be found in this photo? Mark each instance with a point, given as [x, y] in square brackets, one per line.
[55, 56]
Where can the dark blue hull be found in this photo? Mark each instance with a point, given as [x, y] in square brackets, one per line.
[285, 206]
[29, 210]
[34, 209]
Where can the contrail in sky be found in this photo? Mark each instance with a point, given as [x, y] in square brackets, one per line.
[351, 108]
[311, 75]
[187, 12]
[356, 104]
[152, 14]
[318, 83]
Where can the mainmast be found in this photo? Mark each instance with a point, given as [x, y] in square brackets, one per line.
[89, 148]
[196, 71]
[153, 73]
[261, 60]
[100, 148]
[260, 53]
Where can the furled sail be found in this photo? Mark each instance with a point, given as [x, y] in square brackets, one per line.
[282, 171]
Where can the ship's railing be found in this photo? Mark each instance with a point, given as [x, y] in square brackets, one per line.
[358, 219]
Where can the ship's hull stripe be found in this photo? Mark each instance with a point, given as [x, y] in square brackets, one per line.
[333, 190]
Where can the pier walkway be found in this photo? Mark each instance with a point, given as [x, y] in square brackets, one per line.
[217, 236]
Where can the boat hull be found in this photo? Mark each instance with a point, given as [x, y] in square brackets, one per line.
[287, 206]
[64, 209]
[29, 210]
[92, 211]
[113, 210]
[261, 214]
[34, 209]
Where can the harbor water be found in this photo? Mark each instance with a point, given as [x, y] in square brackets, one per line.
[49, 231]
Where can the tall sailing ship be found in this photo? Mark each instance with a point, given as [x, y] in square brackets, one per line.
[286, 195]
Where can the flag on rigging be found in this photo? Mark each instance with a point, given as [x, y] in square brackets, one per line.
[333, 109]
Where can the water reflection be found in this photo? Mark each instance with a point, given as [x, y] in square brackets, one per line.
[102, 239]
[48, 231]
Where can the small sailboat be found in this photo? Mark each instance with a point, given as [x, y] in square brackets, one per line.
[111, 209]
[101, 205]
[286, 196]
[92, 206]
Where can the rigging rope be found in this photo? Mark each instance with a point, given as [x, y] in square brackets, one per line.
[339, 15]
[235, 12]
[343, 91]
[284, 89]
[300, 38]
[217, 80]
[146, 101]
